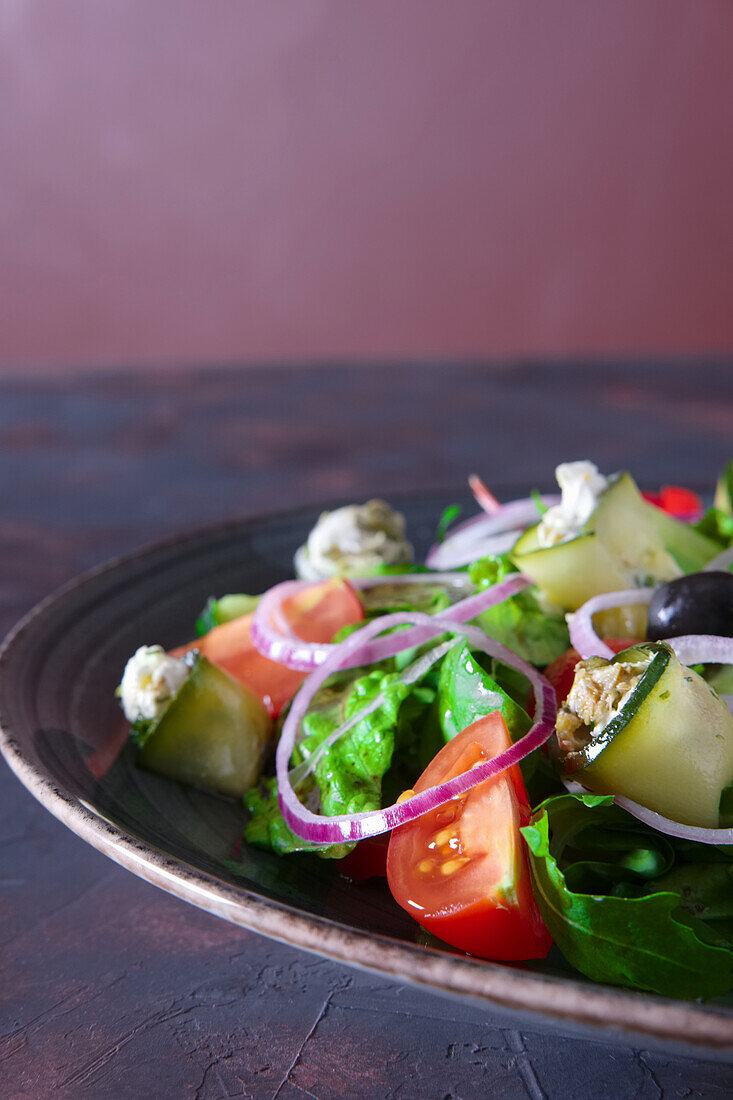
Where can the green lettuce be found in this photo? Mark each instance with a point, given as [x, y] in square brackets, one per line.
[372, 763]
[533, 631]
[629, 906]
[467, 692]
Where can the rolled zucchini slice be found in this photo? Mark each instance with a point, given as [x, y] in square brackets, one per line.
[618, 548]
[647, 727]
[213, 733]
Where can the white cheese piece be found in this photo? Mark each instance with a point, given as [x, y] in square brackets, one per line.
[581, 486]
[150, 680]
[353, 541]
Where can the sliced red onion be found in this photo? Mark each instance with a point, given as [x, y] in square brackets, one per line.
[658, 821]
[452, 577]
[307, 656]
[486, 534]
[411, 675]
[345, 827]
[722, 561]
[702, 649]
[483, 495]
[674, 828]
[582, 633]
[273, 637]
[690, 649]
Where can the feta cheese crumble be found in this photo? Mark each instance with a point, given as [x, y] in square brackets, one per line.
[150, 680]
[581, 486]
[354, 540]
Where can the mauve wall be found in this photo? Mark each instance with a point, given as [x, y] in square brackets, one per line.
[247, 180]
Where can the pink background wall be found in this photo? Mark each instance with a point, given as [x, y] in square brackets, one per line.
[245, 180]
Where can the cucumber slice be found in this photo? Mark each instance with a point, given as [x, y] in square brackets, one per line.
[212, 734]
[668, 747]
[224, 610]
[724, 491]
[618, 548]
[689, 547]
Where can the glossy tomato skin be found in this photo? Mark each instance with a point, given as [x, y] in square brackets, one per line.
[561, 672]
[316, 614]
[462, 870]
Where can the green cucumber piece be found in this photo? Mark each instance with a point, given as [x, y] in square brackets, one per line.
[213, 733]
[669, 747]
[724, 491]
[224, 610]
[688, 546]
[618, 548]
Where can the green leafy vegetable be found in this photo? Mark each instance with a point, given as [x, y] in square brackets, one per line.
[530, 629]
[541, 507]
[717, 525]
[629, 906]
[467, 692]
[350, 776]
[141, 730]
[450, 513]
[382, 599]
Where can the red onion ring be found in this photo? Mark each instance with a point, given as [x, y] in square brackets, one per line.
[308, 656]
[344, 827]
[486, 534]
[582, 634]
[702, 649]
[411, 675]
[658, 822]
[674, 828]
[483, 495]
[690, 649]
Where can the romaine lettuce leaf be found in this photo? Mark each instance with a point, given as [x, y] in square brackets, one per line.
[533, 631]
[351, 775]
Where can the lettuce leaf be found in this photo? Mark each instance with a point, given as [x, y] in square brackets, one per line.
[530, 629]
[629, 906]
[387, 749]
[467, 691]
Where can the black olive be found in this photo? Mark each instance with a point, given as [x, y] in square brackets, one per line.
[701, 603]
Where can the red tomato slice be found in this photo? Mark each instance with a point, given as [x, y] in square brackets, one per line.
[462, 870]
[316, 614]
[561, 672]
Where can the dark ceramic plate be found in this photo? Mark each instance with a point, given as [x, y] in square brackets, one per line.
[62, 735]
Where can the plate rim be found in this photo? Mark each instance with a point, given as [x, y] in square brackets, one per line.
[694, 1025]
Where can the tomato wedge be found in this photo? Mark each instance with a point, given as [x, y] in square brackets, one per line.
[462, 870]
[316, 614]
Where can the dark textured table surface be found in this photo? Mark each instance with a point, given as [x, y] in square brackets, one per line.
[110, 988]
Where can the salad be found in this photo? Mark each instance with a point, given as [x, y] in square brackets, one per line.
[529, 735]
